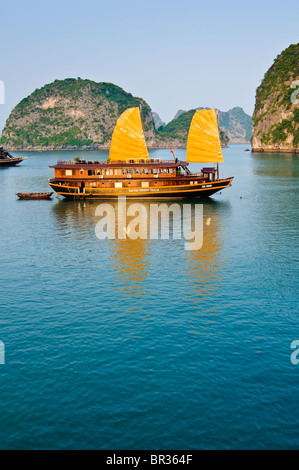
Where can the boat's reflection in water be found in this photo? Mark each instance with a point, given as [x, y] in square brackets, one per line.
[144, 267]
[204, 270]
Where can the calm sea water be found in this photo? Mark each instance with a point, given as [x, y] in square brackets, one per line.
[121, 344]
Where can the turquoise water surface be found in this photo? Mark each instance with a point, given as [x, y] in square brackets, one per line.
[123, 344]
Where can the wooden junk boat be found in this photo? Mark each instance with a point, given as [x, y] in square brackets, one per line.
[130, 172]
[6, 159]
[34, 195]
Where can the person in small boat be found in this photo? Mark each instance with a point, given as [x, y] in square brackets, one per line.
[4, 155]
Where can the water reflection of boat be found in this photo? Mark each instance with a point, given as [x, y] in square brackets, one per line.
[134, 262]
[204, 271]
[129, 255]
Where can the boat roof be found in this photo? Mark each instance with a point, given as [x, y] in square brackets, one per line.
[156, 163]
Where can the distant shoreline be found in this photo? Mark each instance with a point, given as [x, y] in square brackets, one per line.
[275, 150]
[96, 147]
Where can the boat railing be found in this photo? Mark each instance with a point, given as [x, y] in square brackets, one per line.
[131, 161]
[84, 162]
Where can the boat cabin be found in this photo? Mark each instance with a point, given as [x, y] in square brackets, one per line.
[130, 173]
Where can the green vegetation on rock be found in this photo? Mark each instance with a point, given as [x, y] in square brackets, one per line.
[284, 69]
[276, 115]
[178, 129]
[71, 113]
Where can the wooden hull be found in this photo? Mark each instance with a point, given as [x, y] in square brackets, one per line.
[203, 190]
[34, 195]
[10, 161]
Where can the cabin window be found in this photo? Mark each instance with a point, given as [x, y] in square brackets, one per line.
[155, 171]
[137, 171]
[146, 171]
[107, 172]
[144, 184]
[99, 172]
[91, 172]
[68, 172]
[133, 171]
[117, 171]
[128, 171]
[124, 171]
[141, 171]
[62, 172]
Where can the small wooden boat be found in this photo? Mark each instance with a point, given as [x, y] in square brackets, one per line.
[34, 195]
[6, 159]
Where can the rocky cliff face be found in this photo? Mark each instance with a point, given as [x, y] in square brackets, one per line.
[158, 121]
[237, 125]
[276, 115]
[70, 114]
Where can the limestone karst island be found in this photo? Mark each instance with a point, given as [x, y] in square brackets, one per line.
[81, 114]
[276, 115]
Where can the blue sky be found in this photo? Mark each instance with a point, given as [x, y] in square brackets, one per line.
[174, 54]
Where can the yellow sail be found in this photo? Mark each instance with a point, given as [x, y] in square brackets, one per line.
[203, 140]
[128, 139]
